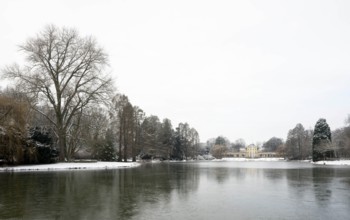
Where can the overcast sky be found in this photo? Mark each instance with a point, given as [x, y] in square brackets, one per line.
[241, 69]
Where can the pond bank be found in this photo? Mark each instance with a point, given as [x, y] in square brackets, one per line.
[238, 159]
[117, 165]
[335, 162]
[322, 162]
[70, 166]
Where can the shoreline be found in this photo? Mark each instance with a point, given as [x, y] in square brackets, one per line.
[241, 159]
[275, 159]
[70, 166]
[99, 165]
[333, 163]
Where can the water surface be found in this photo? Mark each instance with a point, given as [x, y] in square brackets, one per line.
[198, 190]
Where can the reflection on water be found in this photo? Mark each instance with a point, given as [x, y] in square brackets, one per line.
[92, 194]
[204, 190]
[322, 180]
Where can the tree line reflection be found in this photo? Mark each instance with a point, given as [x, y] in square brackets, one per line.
[130, 193]
[106, 194]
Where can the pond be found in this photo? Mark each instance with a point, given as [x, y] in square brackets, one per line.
[180, 190]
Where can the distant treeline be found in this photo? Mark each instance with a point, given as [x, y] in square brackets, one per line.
[301, 144]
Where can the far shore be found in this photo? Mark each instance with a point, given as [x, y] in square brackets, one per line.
[242, 159]
[272, 159]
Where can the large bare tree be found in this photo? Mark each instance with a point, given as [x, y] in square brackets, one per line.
[65, 71]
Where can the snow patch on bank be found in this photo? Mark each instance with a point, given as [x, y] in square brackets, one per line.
[336, 162]
[248, 159]
[71, 166]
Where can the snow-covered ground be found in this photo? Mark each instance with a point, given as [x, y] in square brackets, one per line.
[248, 159]
[336, 162]
[71, 166]
[116, 165]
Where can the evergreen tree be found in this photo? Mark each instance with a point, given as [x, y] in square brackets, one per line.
[105, 147]
[321, 142]
[220, 141]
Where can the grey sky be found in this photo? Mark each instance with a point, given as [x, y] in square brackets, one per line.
[242, 69]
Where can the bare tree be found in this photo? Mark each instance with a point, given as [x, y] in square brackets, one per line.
[128, 130]
[166, 138]
[298, 144]
[65, 70]
[119, 102]
[272, 144]
[139, 116]
[238, 145]
[194, 142]
[341, 139]
[186, 142]
[150, 137]
[182, 133]
[325, 148]
[218, 151]
[92, 128]
[13, 120]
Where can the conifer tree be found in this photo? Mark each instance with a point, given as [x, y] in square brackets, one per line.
[321, 142]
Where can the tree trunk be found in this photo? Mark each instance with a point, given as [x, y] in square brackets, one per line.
[120, 144]
[125, 131]
[62, 145]
[125, 153]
